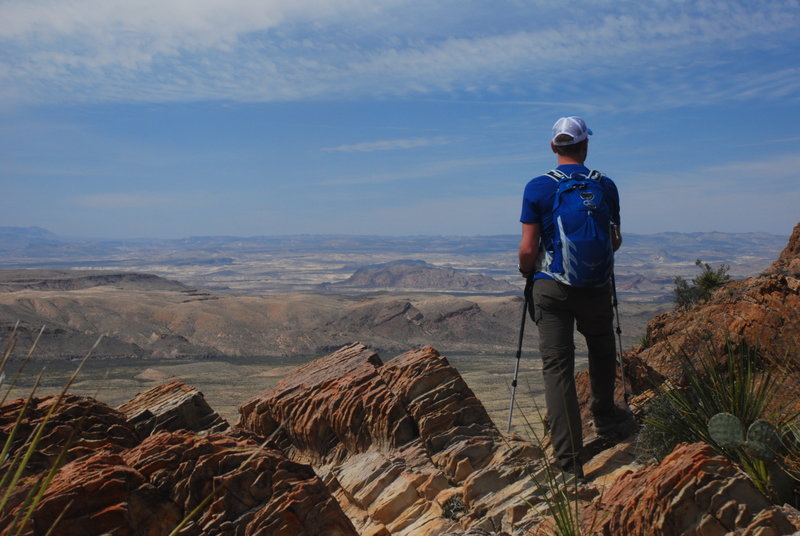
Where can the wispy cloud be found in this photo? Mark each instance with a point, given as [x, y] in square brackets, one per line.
[389, 145]
[775, 174]
[140, 200]
[439, 169]
[268, 50]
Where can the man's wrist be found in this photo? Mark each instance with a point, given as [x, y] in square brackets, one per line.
[525, 273]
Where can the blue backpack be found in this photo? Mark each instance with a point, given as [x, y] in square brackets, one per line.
[582, 254]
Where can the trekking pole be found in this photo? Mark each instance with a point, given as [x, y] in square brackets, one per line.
[527, 294]
[615, 303]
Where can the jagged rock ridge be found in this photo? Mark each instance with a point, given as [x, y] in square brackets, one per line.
[349, 445]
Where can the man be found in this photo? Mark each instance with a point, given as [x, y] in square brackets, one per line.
[559, 305]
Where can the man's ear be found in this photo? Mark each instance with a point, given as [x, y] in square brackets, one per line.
[553, 147]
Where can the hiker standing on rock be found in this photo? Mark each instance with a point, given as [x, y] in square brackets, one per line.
[570, 230]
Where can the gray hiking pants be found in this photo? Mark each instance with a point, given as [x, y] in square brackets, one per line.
[558, 308]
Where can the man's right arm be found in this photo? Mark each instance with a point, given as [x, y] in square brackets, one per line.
[529, 248]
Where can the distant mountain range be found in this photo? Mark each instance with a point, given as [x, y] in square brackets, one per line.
[646, 265]
[33, 242]
[311, 294]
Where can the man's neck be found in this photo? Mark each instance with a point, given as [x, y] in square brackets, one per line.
[567, 160]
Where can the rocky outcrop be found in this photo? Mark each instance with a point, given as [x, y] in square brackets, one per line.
[691, 492]
[398, 442]
[83, 425]
[788, 261]
[172, 406]
[761, 312]
[239, 487]
[349, 445]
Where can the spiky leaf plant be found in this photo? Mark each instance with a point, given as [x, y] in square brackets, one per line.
[739, 386]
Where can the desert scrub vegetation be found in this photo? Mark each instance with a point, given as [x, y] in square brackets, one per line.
[745, 388]
[703, 285]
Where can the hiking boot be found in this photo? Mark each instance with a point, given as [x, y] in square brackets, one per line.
[573, 473]
[617, 422]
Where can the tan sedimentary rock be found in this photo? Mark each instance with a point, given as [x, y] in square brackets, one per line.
[172, 406]
[691, 492]
[395, 442]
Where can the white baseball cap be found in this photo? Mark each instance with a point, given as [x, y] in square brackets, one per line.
[571, 126]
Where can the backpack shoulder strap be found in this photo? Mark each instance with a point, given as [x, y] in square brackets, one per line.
[594, 174]
[556, 175]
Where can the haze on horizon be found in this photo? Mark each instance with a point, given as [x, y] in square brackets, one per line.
[396, 117]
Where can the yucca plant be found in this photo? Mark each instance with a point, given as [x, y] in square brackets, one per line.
[738, 386]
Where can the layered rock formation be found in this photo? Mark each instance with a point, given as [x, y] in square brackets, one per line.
[115, 482]
[398, 442]
[83, 424]
[239, 487]
[691, 492]
[349, 445]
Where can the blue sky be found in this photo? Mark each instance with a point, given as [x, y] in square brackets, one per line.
[172, 118]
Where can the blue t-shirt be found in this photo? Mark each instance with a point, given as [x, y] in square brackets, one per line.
[537, 205]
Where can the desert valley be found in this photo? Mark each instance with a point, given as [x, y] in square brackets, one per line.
[232, 315]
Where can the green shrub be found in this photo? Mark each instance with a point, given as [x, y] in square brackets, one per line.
[703, 285]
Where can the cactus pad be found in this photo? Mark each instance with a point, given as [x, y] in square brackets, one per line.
[726, 430]
[763, 440]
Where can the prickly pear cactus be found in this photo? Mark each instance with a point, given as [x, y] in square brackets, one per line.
[763, 440]
[726, 430]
